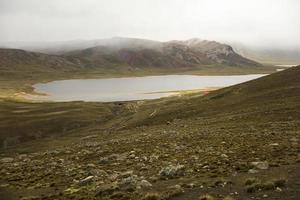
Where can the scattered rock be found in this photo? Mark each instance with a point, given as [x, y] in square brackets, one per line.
[172, 171]
[129, 180]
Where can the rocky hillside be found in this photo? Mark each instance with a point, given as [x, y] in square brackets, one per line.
[240, 142]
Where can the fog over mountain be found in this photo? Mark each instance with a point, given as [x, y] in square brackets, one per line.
[259, 23]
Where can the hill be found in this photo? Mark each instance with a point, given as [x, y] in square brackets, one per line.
[15, 60]
[139, 53]
[242, 139]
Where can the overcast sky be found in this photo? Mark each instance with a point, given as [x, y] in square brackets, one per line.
[253, 22]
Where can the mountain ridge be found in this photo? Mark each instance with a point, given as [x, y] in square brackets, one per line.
[132, 53]
[146, 53]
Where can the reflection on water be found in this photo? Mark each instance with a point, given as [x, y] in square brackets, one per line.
[131, 88]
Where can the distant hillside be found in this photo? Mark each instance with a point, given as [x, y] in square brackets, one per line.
[139, 53]
[12, 60]
[269, 55]
[57, 48]
[125, 54]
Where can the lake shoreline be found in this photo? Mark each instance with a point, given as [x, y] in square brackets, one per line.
[130, 88]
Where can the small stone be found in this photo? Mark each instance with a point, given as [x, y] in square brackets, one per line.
[126, 174]
[86, 181]
[144, 184]
[206, 197]
[132, 156]
[91, 165]
[177, 187]
[260, 165]
[30, 198]
[252, 171]
[72, 190]
[224, 156]
[265, 196]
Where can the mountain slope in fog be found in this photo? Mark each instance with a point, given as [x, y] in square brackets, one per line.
[145, 53]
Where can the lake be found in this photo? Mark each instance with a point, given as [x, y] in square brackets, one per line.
[131, 88]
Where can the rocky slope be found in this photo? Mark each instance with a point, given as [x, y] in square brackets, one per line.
[241, 142]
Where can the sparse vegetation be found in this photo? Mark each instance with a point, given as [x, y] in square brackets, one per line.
[51, 148]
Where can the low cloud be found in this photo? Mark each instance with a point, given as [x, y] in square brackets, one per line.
[252, 22]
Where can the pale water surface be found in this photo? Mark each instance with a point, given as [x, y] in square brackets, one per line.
[132, 88]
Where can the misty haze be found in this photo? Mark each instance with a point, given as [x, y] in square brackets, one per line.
[150, 99]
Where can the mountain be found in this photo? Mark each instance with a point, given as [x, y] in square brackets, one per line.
[139, 53]
[124, 52]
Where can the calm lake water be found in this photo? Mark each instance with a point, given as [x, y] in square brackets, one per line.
[132, 88]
